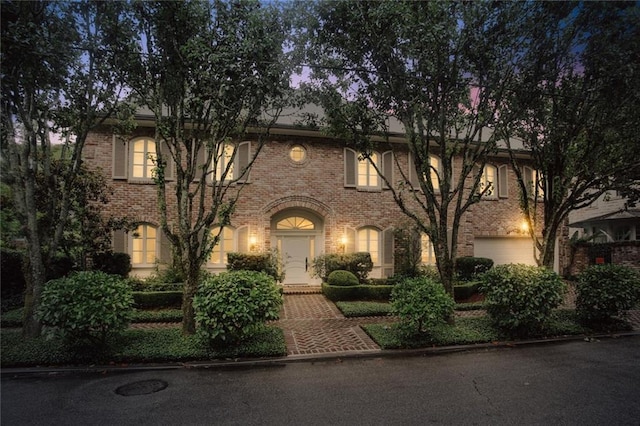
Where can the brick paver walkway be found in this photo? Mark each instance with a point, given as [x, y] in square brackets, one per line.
[314, 325]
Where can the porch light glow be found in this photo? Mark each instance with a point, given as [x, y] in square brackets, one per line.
[252, 243]
[524, 227]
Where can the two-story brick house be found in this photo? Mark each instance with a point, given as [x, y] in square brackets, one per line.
[306, 194]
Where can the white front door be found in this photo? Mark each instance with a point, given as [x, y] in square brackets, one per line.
[296, 256]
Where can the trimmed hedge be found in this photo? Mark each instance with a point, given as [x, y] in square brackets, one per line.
[114, 263]
[157, 299]
[465, 291]
[357, 292]
[261, 262]
[469, 267]
[359, 264]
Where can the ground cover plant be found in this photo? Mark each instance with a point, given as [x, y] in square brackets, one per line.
[466, 331]
[364, 309]
[13, 318]
[137, 346]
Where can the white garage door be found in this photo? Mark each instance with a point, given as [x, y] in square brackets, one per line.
[505, 250]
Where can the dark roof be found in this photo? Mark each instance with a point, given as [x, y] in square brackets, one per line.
[622, 215]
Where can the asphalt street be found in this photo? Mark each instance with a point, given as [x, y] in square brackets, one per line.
[572, 383]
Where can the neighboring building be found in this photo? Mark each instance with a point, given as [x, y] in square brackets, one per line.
[608, 231]
[307, 194]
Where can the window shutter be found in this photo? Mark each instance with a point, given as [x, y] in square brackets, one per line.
[118, 241]
[243, 158]
[351, 235]
[350, 167]
[413, 172]
[201, 160]
[503, 181]
[119, 158]
[242, 235]
[166, 249]
[387, 252]
[166, 155]
[387, 168]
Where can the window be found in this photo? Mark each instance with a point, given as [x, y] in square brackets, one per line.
[297, 153]
[531, 177]
[489, 180]
[144, 245]
[143, 156]
[224, 246]
[622, 233]
[427, 255]
[235, 156]
[435, 166]
[225, 157]
[361, 173]
[367, 175]
[369, 241]
[295, 223]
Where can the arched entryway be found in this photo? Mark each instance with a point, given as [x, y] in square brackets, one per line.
[298, 234]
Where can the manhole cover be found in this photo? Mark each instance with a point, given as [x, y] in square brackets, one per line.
[143, 387]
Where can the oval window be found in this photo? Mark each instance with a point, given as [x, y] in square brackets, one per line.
[297, 154]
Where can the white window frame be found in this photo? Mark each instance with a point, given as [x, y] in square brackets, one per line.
[228, 243]
[141, 233]
[149, 165]
[365, 244]
[484, 182]
[427, 253]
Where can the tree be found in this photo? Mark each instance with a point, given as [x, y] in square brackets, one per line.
[206, 89]
[443, 69]
[574, 107]
[56, 79]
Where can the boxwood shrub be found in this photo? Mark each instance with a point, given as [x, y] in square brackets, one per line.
[87, 306]
[359, 264]
[157, 299]
[342, 278]
[466, 290]
[358, 292]
[260, 262]
[469, 267]
[232, 305]
[520, 298]
[605, 292]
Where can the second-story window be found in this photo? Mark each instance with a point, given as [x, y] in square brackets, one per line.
[489, 179]
[143, 156]
[225, 157]
[367, 174]
[360, 172]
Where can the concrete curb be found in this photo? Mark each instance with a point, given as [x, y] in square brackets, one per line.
[312, 358]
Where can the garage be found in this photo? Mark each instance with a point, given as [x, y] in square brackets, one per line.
[505, 250]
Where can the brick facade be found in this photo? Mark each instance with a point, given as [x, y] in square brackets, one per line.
[277, 186]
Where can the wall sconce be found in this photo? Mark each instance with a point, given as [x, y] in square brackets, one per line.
[343, 244]
[252, 243]
[524, 227]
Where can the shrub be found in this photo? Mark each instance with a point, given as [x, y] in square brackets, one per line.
[232, 305]
[468, 268]
[11, 274]
[357, 292]
[520, 298]
[112, 263]
[264, 262]
[87, 306]
[60, 265]
[359, 264]
[342, 278]
[421, 303]
[606, 291]
[466, 290]
[157, 299]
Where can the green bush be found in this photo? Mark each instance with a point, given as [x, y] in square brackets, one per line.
[466, 290]
[232, 305]
[606, 291]
[469, 268]
[112, 263]
[60, 265]
[520, 298]
[342, 278]
[157, 299]
[138, 284]
[11, 276]
[264, 262]
[364, 309]
[420, 303]
[87, 306]
[359, 264]
[358, 292]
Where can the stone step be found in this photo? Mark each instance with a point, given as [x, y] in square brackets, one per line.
[302, 289]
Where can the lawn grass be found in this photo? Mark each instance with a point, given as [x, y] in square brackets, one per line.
[136, 346]
[469, 331]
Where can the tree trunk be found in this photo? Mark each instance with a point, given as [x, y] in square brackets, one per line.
[190, 287]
